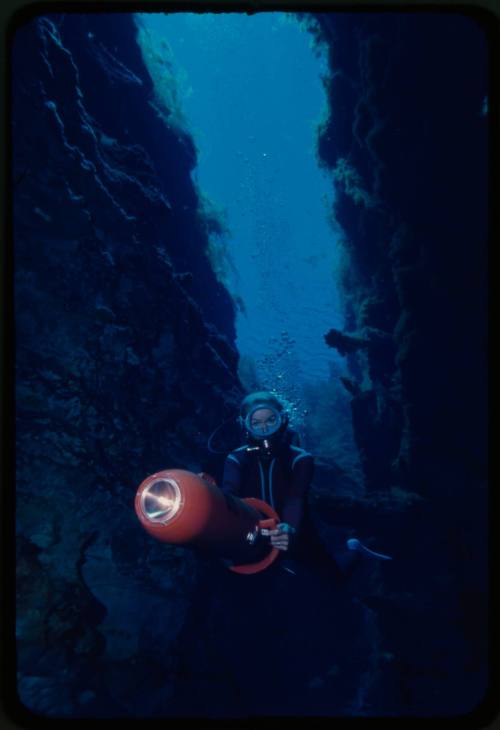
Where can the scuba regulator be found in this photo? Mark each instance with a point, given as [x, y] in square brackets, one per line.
[264, 424]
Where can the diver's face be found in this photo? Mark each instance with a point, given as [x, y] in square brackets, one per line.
[263, 421]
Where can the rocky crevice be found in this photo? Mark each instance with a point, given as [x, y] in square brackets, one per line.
[125, 362]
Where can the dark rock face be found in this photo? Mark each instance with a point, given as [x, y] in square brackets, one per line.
[408, 142]
[123, 366]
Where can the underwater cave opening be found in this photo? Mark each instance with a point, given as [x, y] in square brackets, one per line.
[251, 91]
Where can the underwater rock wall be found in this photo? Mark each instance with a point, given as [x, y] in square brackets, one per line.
[408, 145]
[407, 142]
[125, 361]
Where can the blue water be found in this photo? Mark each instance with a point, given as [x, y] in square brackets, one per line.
[249, 90]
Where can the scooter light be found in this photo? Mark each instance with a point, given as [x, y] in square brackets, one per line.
[182, 508]
[161, 500]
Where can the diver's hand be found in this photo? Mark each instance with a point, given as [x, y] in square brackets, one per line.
[280, 537]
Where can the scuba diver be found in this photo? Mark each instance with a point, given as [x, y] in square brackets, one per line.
[273, 467]
[267, 634]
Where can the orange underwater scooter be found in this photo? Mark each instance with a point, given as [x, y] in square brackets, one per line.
[180, 507]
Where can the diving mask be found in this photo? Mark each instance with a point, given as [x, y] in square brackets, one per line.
[263, 421]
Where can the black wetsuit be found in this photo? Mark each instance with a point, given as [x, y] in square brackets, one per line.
[280, 479]
[283, 479]
[264, 632]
